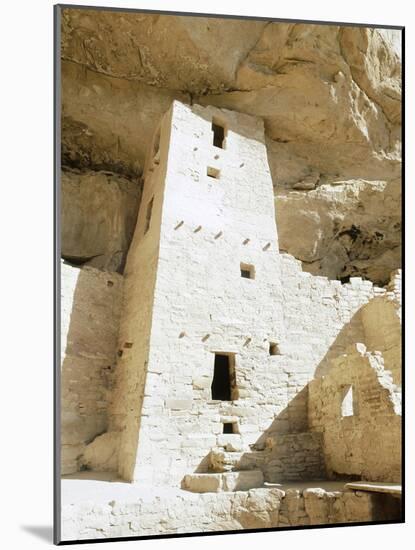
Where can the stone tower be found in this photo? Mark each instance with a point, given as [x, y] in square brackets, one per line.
[199, 364]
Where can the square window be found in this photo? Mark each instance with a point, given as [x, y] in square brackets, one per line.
[213, 172]
[274, 349]
[247, 271]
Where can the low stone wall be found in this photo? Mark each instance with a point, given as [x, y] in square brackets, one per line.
[294, 457]
[88, 352]
[357, 408]
[382, 326]
[184, 512]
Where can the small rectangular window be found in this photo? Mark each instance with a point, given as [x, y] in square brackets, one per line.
[273, 349]
[219, 132]
[247, 271]
[213, 172]
[148, 215]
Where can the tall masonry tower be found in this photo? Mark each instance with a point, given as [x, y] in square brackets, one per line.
[198, 362]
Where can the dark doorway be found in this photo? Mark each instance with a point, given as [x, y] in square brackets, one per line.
[223, 378]
[218, 134]
[228, 428]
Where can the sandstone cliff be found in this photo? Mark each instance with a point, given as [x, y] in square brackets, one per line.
[330, 97]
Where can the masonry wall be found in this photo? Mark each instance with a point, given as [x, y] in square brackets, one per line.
[133, 372]
[90, 315]
[357, 408]
[202, 305]
[382, 325]
[185, 300]
[255, 509]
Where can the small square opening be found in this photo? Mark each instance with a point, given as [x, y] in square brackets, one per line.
[247, 271]
[274, 349]
[213, 172]
[219, 133]
[228, 428]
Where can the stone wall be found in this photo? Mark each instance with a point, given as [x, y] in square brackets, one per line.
[357, 408]
[134, 373]
[254, 509]
[382, 326]
[197, 304]
[294, 457]
[90, 315]
[202, 305]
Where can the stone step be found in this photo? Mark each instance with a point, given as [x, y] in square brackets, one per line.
[224, 461]
[218, 482]
[295, 441]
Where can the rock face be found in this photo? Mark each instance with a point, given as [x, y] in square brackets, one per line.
[98, 213]
[329, 96]
[355, 227]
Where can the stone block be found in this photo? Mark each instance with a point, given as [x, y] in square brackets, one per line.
[242, 481]
[179, 404]
[202, 483]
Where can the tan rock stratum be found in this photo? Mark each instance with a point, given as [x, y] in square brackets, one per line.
[244, 363]
[330, 98]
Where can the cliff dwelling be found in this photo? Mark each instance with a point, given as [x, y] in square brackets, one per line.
[202, 397]
[208, 372]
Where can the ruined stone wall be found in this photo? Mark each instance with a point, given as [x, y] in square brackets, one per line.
[255, 509]
[382, 325]
[90, 315]
[357, 408]
[321, 318]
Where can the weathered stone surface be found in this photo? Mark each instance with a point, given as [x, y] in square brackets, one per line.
[203, 483]
[345, 128]
[101, 455]
[357, 407]
[107, 122]
[98, 216]
[242, 481]
[254, 509]
[88, 350]
[205, 56]
[227, 481]
[343, 228]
